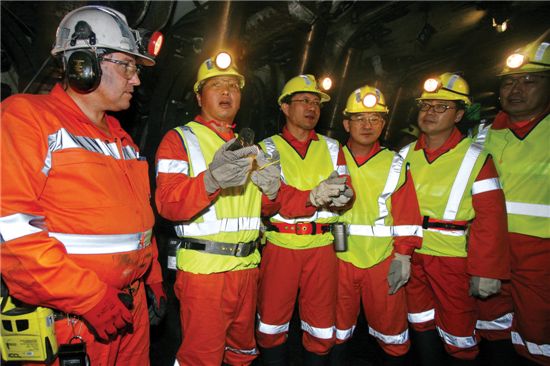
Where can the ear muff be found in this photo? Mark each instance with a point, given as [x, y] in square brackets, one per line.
[83, 71]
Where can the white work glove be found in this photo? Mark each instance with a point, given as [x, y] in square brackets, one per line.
[399, 273]
[328, 189]
[483, 287]
[268, 174]
[343, 198]
[229, 168]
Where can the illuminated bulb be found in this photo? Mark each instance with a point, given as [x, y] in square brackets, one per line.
[514, 61]
[431, 85]
[370, 100]
[326, 84]
[155, 43]
[223, 60]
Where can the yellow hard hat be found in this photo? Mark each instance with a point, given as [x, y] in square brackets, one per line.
[366, 99]
[302, 84]
[447, 86]
[220, 65]
[535, 57]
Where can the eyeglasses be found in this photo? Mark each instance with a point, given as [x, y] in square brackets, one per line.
[373, 121]
[130, 68]
[509, 82]
[438, 108]
[308, 102]
[224, 84]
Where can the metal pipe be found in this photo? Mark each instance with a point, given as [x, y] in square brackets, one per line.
[313, 44]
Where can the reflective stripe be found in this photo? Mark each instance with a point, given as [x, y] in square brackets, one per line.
[482, 133]
[459, 342]
[176, 363]
[421, 317]
[218, 226]
[252, 351]
[321, 333]
[62, 139]
[194, 150]
[345, 333]
[103, 244]
[314, 217]
[272, 329]
[385, 231]
[18, 225]
[502, 323]
[486, 185]
[270, 148]
[172, 166]
[461, 180]
[533, 348]
[528, 209]
[448, 232]
[401, 338]
[333, 149]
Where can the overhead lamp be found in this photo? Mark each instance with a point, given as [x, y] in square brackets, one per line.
[326, 83]
[500, 26]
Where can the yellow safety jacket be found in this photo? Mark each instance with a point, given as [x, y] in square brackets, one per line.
[233, 218]
[305, 174]
[524, 169]
[444, 192]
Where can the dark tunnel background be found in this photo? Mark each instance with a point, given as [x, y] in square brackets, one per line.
[394, 46]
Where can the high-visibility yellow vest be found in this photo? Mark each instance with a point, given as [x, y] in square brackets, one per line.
[234, 217]
[305, 174]
[444, 191]
[523, 166]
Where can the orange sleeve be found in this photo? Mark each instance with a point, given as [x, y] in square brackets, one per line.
[174, 187]
[488, 246]
[35, 267]
[406, 211]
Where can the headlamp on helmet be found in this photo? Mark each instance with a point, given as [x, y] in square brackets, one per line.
[370, 100]
[534, 57]
[432, 85]
[150, 42]
[223, 60]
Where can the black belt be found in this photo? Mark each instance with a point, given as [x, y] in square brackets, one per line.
[216, 247]
[426, 223]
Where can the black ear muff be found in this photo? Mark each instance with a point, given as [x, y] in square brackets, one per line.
[83, 71]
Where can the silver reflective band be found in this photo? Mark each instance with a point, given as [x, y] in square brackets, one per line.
[252, 351]
[502, 323]
[195, 153]
[103, 244]
[448, 232]
[385, 231]
[459, 342]
[401, 338]
[421, 317]
[218, 226]
[486, 185]
[312, 218]
[172, 166]
[528, 209]
[533, 348]
[321, 333]
[272, 329]
[18, 225]
[344, 334]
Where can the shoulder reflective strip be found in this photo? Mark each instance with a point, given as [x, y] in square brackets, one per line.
[461, 180]
[448, 232]
[389, 188]
[252, 351]
[401, 338]
[405, 151]
[459, 342]
[62, 139]
[18, 225]
[333, 149]
[528, 209]
[482, 133]
[272, 329]
[345, 333]
[103, 244]
[270, 148]
[321, 333]
[502, 323]
[422, 317]
[314, 217]
[533, 348]
[486, 185]
[172, 166]
[219, 226]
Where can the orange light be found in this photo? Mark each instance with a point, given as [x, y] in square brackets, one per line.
[155, 43]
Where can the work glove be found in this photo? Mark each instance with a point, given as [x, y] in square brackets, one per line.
[330, 188]
[229, 168]
[399, 273]
[483, 287]
[110, 316]
[343, 198]
[156, 302]
[268, 175]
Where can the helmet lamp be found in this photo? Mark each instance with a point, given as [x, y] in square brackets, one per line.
[431, 85]
[223, 60]
[370, 100]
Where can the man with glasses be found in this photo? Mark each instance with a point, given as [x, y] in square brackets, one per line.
[519, 136]
[299, 256]
[464, 251]
[376, 263]
[207, 186]
[76, 222]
